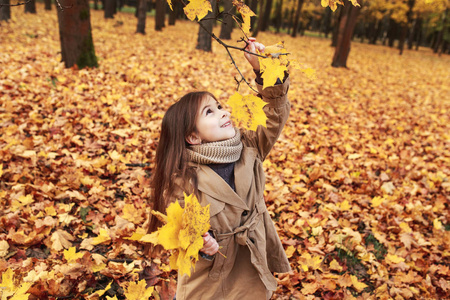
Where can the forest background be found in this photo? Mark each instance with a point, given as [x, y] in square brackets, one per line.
[357, 184]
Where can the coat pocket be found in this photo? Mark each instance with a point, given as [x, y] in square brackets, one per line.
[219, 260]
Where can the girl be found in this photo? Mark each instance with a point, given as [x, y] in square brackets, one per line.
[201, 152]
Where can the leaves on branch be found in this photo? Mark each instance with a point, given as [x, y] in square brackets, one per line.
[246, 14]
[183, 233]
[272, 69]
[248, 110]
[197, 9]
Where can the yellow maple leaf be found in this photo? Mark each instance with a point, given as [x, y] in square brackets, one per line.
[102, 237]
[334, 265]
[22, 201]
[197, 9]
[331, 3]
[376, 201]
[246, 14]
[437, 224]
[8, 288]
[405, 227]
[248, 110]
[345, 205]
[1, 170]
[137, 235]
[307, 261]
[271, 70]
[394, 259]
[132, 214]
[150, 238]
[359, 286]
[355, 3]
[182, 233]
[71, 254]
[168, 234]
[138, 291]
[276, 50]
[195, 224]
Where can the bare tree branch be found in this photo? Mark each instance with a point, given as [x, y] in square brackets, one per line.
[227, 47]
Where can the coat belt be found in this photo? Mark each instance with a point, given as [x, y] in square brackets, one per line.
[241, 236]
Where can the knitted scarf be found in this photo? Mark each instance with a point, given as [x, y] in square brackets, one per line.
[226, 151]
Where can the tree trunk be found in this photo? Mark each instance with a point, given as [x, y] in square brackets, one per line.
[30, 7]
[412, 34]
[48, 4]
[160, 14]
[204, 38]
[404, 27]
[337, 21]
[278, 15]
[227, 24]
[266, 17]
[136, 11]
[142, 16]
[5, 11]
[297, 17]
[174, 14]
[419, 35]
[401, 41]
[109, 9]
[326, 24]
[392, 32]
[77, 46]
[440, 35]
[254, 8]
[260, 19]
[291, 20]
[346, 28]
[373, 38]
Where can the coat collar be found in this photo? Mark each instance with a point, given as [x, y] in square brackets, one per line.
[210, 183]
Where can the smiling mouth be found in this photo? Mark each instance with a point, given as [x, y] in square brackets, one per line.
[226, 124]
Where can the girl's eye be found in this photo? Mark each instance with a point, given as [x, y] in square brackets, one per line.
[208, 111]
[219, 107]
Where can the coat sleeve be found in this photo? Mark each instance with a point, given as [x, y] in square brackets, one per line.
[277, 112]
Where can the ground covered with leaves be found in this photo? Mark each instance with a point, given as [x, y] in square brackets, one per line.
[358, 184]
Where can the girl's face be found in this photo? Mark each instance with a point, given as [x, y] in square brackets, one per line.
[213, 123]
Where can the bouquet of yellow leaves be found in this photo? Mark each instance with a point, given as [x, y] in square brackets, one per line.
[182, 232]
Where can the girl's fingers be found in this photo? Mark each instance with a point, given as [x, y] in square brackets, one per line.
[210, 245]
[259, 46]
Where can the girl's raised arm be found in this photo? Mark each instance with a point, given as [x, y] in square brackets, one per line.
[252, 47]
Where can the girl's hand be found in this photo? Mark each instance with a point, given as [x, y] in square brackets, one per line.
[252, 47]
[210, 245]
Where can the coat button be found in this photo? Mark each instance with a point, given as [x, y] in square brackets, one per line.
[245, 213]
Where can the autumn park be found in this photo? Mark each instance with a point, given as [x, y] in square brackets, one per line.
[357, 184]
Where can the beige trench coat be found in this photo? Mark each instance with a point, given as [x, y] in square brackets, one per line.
[240, 220]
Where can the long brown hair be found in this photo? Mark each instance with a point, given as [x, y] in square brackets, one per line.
[177, 124]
